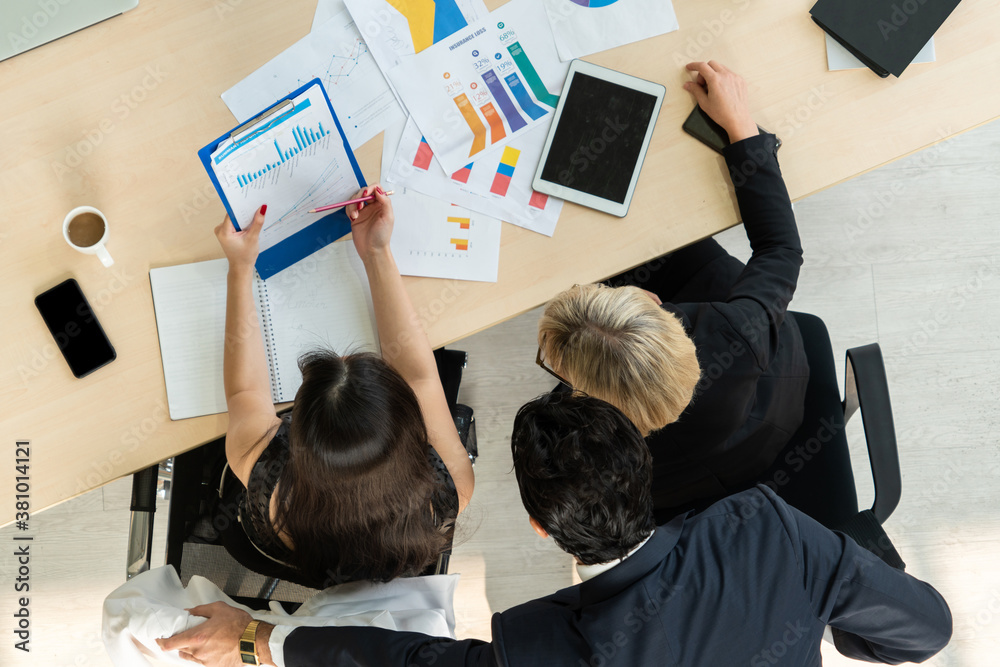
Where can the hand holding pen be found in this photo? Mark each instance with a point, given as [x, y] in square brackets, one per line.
[361, 200]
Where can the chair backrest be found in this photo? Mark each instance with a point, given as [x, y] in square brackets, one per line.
[813, 472]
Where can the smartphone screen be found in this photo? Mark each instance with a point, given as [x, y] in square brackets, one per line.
[77, 333]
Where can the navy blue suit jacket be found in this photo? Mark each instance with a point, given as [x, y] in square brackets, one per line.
[749, 581]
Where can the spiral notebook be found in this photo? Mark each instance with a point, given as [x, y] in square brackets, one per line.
[322, 301]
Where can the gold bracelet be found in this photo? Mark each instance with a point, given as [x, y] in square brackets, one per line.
[248, 645]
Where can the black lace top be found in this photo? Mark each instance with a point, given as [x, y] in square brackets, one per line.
[255, 504]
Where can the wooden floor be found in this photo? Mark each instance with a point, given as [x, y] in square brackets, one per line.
[908, 256]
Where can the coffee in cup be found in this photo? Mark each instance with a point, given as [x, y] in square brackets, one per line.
[86, 230]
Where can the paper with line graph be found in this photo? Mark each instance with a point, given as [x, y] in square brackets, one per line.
[435, 239]
[494, 80]
[394, 29]
[497, 184]
[336, 53]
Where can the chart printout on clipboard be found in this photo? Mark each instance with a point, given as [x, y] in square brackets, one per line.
[293, 160]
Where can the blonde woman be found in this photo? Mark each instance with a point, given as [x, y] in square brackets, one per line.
[698, 351]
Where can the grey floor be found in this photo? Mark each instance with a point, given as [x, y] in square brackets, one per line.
[908, 256]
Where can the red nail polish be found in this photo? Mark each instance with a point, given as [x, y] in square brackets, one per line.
[263, 209]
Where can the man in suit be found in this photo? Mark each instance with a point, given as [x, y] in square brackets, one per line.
[703, 358]
[749, 581]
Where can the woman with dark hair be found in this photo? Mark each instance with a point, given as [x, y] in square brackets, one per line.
[364, 480]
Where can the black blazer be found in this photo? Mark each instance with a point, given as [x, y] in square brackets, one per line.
[746, 582]
[754, 368]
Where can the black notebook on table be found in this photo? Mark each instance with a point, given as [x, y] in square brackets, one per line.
[885, 35]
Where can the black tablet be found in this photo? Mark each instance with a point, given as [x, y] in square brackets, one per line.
[598, 138]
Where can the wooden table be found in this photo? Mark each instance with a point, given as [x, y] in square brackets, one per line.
[112, 116]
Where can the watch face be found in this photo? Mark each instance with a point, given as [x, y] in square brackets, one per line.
[246, 647]
[250, 659]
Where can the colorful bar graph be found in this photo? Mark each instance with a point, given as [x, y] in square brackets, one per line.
[462, 175]
[476, 125]
[531, 76]
[424, 155]
[463, 223]
[507, 108]
[538, 200]
[505, 171]
[523, 98]
[460, 244]
[496, 123]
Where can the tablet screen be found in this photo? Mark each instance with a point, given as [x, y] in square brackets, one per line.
[599, 137]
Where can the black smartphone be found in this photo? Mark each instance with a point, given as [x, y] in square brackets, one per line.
[700, 126]
[73, 324]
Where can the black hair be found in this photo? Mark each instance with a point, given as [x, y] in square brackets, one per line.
[584, 472]
[356, 492]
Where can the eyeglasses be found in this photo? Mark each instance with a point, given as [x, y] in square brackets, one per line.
[538, 360]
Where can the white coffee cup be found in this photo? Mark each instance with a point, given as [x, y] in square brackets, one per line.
[95, 248]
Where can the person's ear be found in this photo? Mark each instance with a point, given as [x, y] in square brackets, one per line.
[537, 527]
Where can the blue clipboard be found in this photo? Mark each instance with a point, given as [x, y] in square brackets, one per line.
[316, 236]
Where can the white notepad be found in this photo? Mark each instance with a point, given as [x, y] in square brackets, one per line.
[323, 301]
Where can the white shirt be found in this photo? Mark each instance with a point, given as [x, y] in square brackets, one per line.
[588, 572]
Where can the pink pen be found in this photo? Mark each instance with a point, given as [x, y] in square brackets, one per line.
[366, 199]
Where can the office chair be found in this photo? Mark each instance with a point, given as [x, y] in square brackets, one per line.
[813, 472]
[193, 512]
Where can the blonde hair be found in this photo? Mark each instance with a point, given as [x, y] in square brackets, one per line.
[617, 345]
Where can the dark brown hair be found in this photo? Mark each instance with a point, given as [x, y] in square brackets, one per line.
[356, 492]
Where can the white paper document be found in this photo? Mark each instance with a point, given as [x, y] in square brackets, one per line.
[838, 58]
[496, 184]
[435, 239]
[488, 83]
[582, 27]
[336, 53]
[326, 10]
[394, 29]
[292, 163]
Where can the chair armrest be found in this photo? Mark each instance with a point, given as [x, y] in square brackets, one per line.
[867, 389]
[465, 423]
[140, 528]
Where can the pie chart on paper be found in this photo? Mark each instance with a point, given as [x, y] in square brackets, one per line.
[595, 3]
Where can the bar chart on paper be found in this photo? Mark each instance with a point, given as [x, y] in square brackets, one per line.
[497, 184]
[293, 162]
[435, 239]
[484, 86]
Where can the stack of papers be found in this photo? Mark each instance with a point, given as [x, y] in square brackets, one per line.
[465, 98]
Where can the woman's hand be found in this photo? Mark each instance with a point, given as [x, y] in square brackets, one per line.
[241, 248]
[722, 94]
[371, 223]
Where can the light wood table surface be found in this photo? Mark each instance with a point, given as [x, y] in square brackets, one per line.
[112, 116]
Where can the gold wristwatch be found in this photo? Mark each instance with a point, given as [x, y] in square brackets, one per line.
[248, 645]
